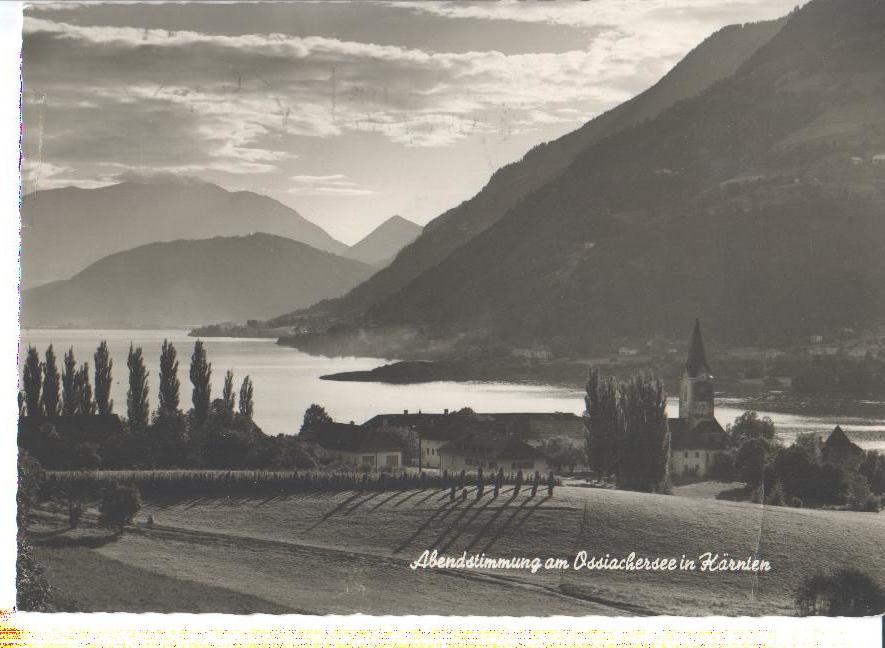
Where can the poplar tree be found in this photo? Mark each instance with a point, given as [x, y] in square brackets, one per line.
[103, 377]
[169, 395]
[602, 424]
[247, 407]
[137, 406]
[227, 394]
[83, 390]
[645, 445]
[69, 397]
[51, 384]
[32, 382]
[201, 377]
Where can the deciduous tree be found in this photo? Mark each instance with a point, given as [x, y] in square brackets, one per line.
[137, 406]
[51, 385]
[201, 379]
[69, 397]
[104, 366]
[227, 393]
[32, 382]
[247, 407]
[169, 392]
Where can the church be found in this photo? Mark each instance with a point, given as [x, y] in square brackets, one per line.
[696, 437]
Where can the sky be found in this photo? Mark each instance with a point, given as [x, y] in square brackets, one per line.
[348, 112]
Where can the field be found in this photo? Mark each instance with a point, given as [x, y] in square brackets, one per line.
[350, 552]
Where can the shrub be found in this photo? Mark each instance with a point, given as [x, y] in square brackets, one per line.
[119, 504]
[796, 502]
[32, 591]
[776, 496]
[872, 504]
[848, 592]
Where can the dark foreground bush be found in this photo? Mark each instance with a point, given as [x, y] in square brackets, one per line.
[119, 504]
[872, 504]
[848, 592]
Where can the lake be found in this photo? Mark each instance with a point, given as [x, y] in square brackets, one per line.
[287, 381]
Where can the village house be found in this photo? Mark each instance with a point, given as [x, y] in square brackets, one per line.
[364, 448]
[696, 437]
[486, 446]
[433, 431]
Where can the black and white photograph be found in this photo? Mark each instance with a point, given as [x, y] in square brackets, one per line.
[499, 309]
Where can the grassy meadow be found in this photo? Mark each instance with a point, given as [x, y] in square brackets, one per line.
[349, 552]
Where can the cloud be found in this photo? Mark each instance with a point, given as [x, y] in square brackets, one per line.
[270, 87]
[250, 108]
[335, 184]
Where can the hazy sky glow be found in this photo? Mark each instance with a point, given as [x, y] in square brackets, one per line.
[348, 112]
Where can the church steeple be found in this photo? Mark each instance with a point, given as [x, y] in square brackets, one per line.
[696, 396]
[696, 364]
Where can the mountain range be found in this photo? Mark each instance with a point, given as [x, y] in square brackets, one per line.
[64, 230]
[716, 58]
[184, 282]
[751, 201]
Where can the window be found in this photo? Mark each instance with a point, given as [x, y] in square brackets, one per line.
[697, 454]
[686, 455]
[392, 461]
[368, 460]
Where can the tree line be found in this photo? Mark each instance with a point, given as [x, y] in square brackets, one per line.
[627, 436]
[48, 393]
[54, 404]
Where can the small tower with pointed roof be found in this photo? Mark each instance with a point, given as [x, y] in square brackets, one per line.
[696, 393]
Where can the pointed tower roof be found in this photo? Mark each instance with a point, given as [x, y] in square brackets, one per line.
[697, 358]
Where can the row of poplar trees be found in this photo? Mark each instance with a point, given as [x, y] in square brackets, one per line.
[626, 430]
[48, 393]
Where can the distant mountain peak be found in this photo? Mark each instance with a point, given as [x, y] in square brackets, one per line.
[382, 244]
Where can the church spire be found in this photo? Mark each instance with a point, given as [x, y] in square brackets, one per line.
[696, 364]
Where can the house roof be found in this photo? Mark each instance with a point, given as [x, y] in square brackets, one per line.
[706, 434]
[490, 444]
[403, 420]
[343, 437]
[839, 441]
[447, 427]
[696, 363]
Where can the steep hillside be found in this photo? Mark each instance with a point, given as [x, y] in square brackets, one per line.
[64, 230]
[714, 59]
[383, 243]
[187, 281]
[742, 206]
